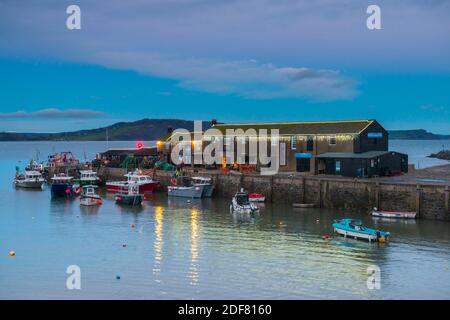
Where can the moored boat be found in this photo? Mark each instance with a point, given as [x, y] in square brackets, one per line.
[144, 183]
[394, 214]
[90, 197]
[352, 228]
[62, 186]
[208, 187]
[29, 179]
[256, 197]
[88, 178]
[129, 196]
[240, 203]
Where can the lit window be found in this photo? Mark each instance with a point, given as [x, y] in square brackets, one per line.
[293, 142]
[332, 140]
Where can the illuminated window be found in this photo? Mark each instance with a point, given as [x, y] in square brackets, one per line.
[293, 142]
[332, 140]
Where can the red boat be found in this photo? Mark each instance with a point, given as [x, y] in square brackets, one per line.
[256, 197]
[145, 183]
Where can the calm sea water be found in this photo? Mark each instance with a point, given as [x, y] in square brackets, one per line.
[198, 250]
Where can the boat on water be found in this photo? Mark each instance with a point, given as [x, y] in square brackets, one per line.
[88, 178]
[144, 183]
[34, 166]
[394, 214]
[129, 196]
[195, 187]
[29, 179]
[65, 158]
[62, 186]
[186, 192]
[206, 183]
[89, 197]
[256, 197]
[353, 228]
[241, 204]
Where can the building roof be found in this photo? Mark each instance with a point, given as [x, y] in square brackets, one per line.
[291, 128]
[130, 152]
[348, 155]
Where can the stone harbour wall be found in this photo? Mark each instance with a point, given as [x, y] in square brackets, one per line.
[429, 201]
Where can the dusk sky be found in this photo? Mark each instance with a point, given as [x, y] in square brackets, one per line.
[252, 60]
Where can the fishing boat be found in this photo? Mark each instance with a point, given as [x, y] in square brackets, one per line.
[129, 196]
[208, 187]
[144, 183]
[186, 192]
[241, 204]
[256, 197]
[62, 186]
[34, 166]
[352, 228]
[394, 214]
[61, 159]
[29, 179]
[90, 197]
[88, 178]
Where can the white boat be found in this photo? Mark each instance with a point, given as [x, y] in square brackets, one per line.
[29, 179]
[88, 178]
[186, 192]
[394, 214]
[208, 187]
[144, 183]
[241, 204]
[90, 197]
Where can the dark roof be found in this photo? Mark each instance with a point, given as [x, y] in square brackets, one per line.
[348, 155]
[289, 128]
[131, 152]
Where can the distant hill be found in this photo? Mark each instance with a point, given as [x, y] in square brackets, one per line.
[419, 134]
[145, 129]
[153, 129]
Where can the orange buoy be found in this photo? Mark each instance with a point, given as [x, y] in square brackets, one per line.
[12, 253]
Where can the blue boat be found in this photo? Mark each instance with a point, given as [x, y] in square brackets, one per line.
[354, 229]
[62, 186]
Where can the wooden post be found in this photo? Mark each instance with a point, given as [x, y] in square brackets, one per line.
[320, 194]
[447, 200]
[271, 188]
[377, 195]
[419, 200]
[302, 200]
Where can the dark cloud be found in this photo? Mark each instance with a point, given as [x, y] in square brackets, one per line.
[53, 113]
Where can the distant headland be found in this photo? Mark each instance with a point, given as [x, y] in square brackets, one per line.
[153, 129]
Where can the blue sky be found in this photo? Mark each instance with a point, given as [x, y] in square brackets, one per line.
[234, 61]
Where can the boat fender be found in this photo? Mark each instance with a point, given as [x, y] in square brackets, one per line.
[67, 191]
[173, 181]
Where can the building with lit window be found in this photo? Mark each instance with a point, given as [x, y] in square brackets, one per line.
[349, 148]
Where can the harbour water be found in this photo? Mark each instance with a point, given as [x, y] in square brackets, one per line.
[175, 249]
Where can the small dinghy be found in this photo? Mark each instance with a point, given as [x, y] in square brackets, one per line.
[130, 196]
[394, 214]
[90, 197]
[256, 197]
[354, 229]
[241, 204]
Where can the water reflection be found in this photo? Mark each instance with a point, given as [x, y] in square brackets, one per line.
[193, 271]
[158, 243]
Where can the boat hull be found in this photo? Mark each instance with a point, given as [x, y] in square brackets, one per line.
[353, 234]
[394, 214]
[186, 192]
[123, 185]
[90, 201]
[208, 191]
[62, 190]
[29, 184]
[129, 200]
